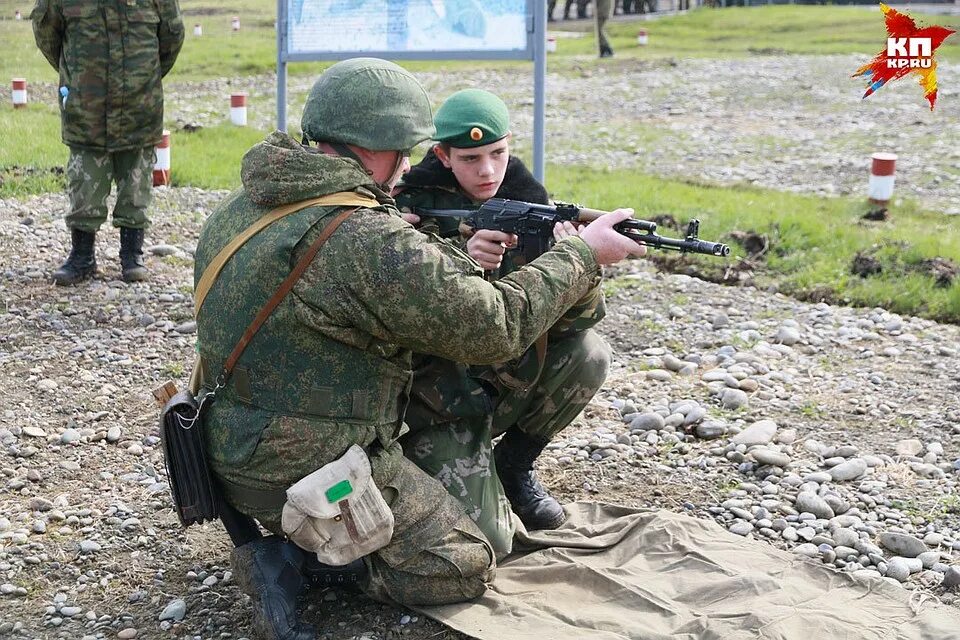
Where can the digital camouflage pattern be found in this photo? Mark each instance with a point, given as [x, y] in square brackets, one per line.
[331, 366]
[111, 55]
[89, 177]
[342, 108]
[455, 409]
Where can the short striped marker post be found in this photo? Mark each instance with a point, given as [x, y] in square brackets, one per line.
[197, 30]
[642, 38]
[235, 23]
[19, 94]
[238, 109]
[17, 16]
[880, 187]
[161, 169]
[551, 44]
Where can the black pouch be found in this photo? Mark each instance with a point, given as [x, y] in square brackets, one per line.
[195, 495]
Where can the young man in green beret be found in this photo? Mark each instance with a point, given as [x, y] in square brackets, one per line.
[455, 410]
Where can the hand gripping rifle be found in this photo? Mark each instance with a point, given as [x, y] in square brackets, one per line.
[533, 225]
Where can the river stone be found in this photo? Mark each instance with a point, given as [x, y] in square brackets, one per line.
[175, 611]
[849, 470]
[733, 398]
[760, 432]
[902, 544]
[812, 503]
[767, 456]
[647, 422]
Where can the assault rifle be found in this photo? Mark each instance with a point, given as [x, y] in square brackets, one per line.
[533, 225]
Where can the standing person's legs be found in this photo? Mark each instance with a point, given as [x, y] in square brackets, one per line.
[602, 8]
[89, 178]
[134, 173]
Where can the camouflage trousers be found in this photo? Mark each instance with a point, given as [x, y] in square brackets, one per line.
[452, 429]
[90, 176]
[437, 554]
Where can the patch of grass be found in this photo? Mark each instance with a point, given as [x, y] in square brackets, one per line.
[172, 369]
[813, 240]
[32, 157]
[752, 31]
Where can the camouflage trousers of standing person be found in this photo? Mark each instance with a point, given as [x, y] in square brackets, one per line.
[90, 176]
[454, 446]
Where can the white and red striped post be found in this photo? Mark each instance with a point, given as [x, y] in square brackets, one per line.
[161, 169]
[238, 109]
[19, 93]
[17, 16]
[551, 44]
[642, 37]
[197, 30]
[235, 23]
[880, 187]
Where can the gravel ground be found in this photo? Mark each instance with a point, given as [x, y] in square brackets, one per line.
[831, 431]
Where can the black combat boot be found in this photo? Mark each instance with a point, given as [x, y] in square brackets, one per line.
[514, 456]
[82, 261]
[271, 571]
[606, 52]
[131, 255]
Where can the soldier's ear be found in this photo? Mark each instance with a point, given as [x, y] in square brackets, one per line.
[441, 155]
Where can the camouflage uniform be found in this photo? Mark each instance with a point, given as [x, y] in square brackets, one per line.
[455, 410]
[110, 56]
[331, 367]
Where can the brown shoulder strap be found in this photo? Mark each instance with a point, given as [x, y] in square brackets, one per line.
[280, 294]
[342, 198]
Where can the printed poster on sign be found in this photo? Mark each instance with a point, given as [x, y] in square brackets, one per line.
[357, 26]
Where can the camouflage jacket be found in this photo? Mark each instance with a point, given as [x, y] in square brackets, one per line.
[111, 55]
[445, 390]
[331, 366]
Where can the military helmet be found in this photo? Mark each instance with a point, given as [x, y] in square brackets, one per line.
[472, 118]
[368, 102]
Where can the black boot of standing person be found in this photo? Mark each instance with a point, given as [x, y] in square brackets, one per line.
[514, 456]
[82, 261]
[131, 255]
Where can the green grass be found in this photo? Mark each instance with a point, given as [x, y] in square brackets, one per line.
[745, 31]
[813, 240]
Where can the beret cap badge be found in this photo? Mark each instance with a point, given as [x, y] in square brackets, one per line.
[476, 134]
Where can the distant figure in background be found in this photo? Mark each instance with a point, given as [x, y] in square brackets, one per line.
[603, 8]
[111, 56]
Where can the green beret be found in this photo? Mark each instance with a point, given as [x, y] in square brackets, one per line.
[471, 118]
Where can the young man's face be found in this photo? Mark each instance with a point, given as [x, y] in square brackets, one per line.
[479, 170]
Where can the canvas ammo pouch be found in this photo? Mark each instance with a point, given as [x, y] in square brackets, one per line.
[192, 487]
[338, 511]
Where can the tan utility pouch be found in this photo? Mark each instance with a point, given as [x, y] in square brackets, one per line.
[337, 511]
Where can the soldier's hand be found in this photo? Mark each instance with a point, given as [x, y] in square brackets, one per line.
[566, 229]
[608, 246]
[412, 218]
[487, 247]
